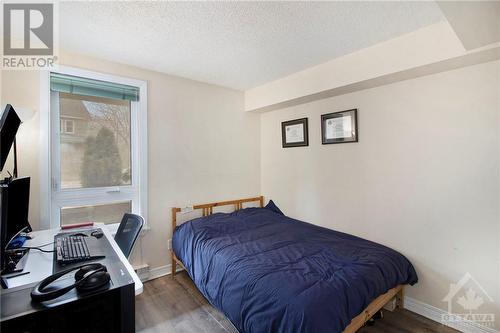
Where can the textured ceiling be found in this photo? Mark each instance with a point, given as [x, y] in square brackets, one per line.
[234, 44]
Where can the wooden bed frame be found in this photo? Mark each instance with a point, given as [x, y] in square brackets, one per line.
[356, 323]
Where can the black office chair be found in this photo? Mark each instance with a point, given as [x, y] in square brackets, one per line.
[128, 231]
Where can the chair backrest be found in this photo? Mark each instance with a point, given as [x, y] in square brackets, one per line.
[128, 231]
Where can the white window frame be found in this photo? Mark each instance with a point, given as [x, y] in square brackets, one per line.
[52, 197]
[65, 126]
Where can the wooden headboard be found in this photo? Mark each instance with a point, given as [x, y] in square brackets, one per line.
[207, 209]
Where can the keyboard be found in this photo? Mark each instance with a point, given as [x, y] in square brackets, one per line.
[71, 249]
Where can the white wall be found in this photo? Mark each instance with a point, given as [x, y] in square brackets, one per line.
[424, 178]
[21, 89]
[202, 145]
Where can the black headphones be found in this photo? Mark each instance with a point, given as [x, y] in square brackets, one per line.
[89, 277]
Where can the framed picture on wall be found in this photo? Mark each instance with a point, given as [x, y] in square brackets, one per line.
[339, 127]
[294, 133]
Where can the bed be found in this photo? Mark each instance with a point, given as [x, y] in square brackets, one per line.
[270, 273]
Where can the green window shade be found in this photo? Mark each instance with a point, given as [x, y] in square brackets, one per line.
[89, 87]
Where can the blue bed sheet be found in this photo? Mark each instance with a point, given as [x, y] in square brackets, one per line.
[270, 273]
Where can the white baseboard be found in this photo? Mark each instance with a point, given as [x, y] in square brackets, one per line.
[436, 314]
[157, 272]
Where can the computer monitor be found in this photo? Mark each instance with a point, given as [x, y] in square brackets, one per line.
[9, 124]
[14, 201]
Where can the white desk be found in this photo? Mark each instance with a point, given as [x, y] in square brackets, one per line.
[39, 264]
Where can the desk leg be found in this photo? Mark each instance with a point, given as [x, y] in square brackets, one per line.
[127, 303]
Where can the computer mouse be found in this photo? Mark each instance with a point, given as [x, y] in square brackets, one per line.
[97, 234]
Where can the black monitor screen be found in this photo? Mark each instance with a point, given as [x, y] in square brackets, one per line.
[9, 123]
[15, 203]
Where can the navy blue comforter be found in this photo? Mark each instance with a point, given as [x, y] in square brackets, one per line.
[270, 273]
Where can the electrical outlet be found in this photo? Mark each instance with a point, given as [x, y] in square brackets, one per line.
[187, 209]
[169, 244]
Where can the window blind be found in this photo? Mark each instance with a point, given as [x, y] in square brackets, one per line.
[90, 87]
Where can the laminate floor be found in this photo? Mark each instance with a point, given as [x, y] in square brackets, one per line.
[175, 305]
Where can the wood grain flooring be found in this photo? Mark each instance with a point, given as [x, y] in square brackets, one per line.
[175, 305]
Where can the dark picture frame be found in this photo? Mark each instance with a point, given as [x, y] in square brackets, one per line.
[339, 127]
[299, 137]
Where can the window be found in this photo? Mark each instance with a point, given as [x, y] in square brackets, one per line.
[107, 213]
[97, 155]
[68, 126]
